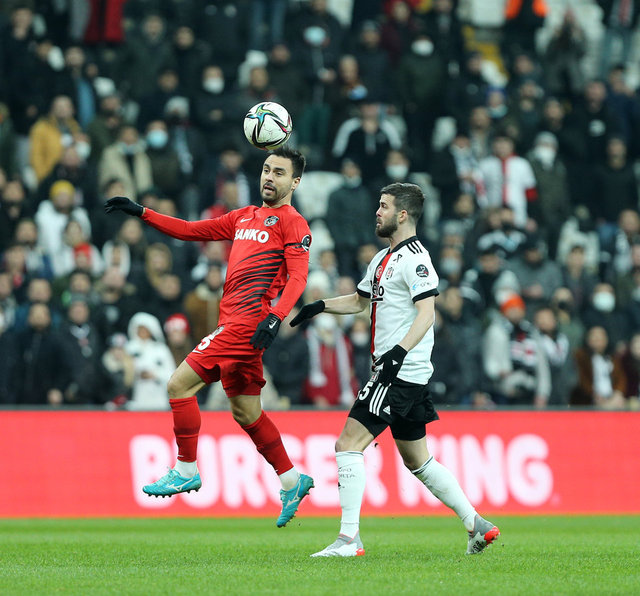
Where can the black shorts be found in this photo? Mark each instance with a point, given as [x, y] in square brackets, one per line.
[406, 408]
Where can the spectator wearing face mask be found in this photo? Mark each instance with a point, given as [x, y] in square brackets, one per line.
[456, 170]
[165, 165]
[603, 312]
[127, 161]
[216, 110]
[450, 266]
[509, 179]
[397, 168]
[421, 87]
[553, 206]
[331, 379]
[350, 219]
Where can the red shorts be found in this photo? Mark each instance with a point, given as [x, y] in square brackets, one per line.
[226, 355]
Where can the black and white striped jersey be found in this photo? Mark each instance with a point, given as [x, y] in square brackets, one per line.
[394, 281]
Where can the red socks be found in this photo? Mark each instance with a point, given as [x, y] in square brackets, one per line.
[186, 426]
[265, 435]
[263, 432]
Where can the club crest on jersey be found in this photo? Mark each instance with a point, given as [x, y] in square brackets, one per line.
[271, 220]
[258, 235]
[389, 272]
[422, 271]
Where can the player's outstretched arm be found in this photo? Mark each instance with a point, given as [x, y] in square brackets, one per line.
[308, 311]
[123, 204]
[340, 305]
[220, 228]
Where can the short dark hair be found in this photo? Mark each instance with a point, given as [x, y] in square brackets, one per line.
[407, 197]
[297, 159]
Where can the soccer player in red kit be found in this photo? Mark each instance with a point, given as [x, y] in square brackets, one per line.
[270, 252]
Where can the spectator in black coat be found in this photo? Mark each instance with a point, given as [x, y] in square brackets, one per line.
[445, 29]
[287, 361]
[7, 362]
[83, 348]
[13, 207]
[350, 219]
[216, 111]
[42, 372]
[615, 189]
[375, 66]
[190, 56]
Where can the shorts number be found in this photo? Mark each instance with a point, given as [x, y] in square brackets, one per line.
[204, 344]
[364, 392]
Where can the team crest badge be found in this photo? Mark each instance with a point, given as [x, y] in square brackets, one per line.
[271, 220]
[422, 271]
[389, 272]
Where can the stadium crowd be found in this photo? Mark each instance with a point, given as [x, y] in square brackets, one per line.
[527, 154]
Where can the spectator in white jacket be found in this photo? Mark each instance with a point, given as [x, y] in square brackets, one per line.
[153, 363]
[509, 180]
[54, 214]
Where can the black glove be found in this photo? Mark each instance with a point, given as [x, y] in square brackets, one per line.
[308, 311]
[391, 363]
[266, 332]
[123, 204]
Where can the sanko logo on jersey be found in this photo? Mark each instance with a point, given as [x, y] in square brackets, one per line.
[248, 234]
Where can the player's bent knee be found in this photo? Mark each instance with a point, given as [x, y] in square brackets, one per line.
[345, 444]
[175, 388]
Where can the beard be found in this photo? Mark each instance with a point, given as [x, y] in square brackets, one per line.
[387, 230]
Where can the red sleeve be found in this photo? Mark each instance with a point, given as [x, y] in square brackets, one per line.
[531, 194]
[297, 241]
[220, 228]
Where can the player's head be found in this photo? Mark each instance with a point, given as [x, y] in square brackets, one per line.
[281, 173]
[400, 204]
[298, 160]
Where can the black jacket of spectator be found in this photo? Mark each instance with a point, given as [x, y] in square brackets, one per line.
[42, 364]
[287, 360]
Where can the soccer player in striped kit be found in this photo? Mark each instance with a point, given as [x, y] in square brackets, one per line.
[400, 287]
[270, 253]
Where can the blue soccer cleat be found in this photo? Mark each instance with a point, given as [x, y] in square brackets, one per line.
[172, 484]
[291, 499]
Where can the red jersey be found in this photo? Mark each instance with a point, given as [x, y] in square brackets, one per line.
[270, 252]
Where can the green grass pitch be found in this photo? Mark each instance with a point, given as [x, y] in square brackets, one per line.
[405, 555]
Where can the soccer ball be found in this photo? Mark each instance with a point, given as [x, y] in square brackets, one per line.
[267, 125]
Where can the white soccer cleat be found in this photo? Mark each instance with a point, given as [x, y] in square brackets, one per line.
[343, 547]
[483, 534]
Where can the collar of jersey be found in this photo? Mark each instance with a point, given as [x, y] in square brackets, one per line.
[404, 243]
